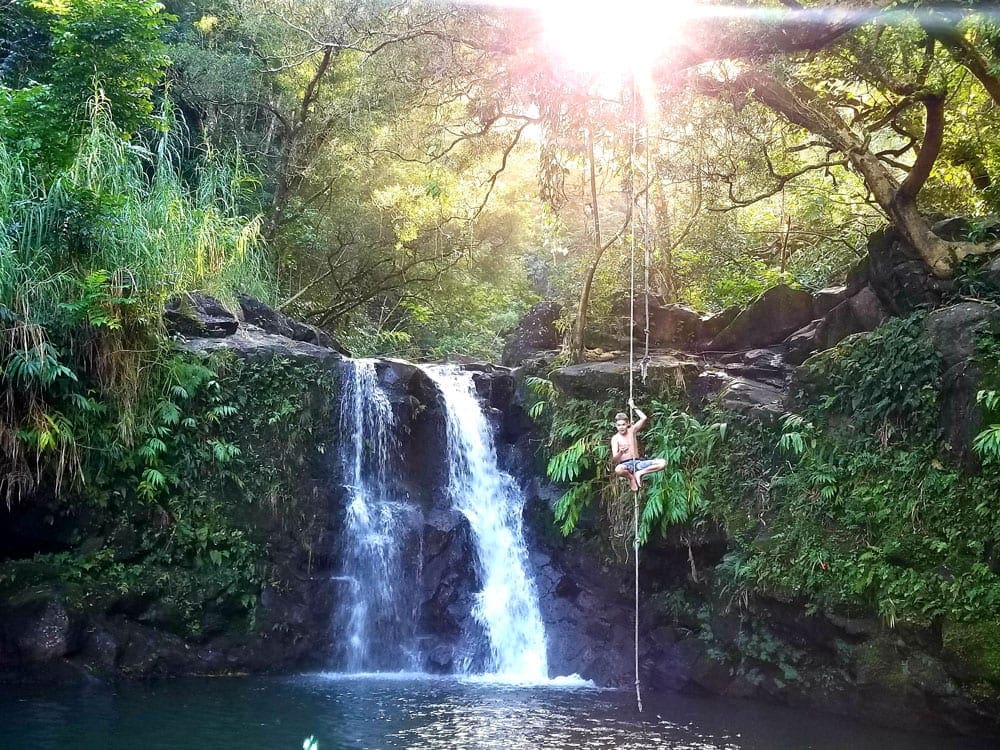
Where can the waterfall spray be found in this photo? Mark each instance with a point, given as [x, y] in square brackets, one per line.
[491, 501]
[381, 532]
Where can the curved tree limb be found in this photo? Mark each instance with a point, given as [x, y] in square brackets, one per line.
[929, 149]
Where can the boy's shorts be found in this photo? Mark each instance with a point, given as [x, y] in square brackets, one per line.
[636, 464]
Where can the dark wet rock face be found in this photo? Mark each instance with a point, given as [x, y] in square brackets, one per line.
[37, 629]
[586, 611]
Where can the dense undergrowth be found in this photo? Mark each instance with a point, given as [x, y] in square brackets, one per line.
[851, 503]
[180, 515]
[148, 449]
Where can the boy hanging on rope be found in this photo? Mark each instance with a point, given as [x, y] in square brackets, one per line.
[625, 449]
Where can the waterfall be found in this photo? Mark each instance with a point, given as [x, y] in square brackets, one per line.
[492, 502]
[381, 560]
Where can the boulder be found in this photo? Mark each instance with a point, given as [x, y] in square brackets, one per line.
[251, 343]
[753, 399]
[965, 228]
[712, 325]
[269, 320]
[536, 331]
[828, 298]
[953, 331]
[594, 380]
[990, 271]
[803, 342]
[36, 630]
[859, 313]
[899, 277]
[197, 314]
[673, 326]
[857, 277]
[769, 320]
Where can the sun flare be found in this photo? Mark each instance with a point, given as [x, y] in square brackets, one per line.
[612, 41]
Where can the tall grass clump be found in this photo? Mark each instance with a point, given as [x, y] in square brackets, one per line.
[88, 257]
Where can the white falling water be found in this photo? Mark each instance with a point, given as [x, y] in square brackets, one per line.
[381, 532]
[507, 606]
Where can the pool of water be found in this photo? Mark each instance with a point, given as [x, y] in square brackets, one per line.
[277, 713]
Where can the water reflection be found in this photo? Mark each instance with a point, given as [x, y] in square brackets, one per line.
[417, 713]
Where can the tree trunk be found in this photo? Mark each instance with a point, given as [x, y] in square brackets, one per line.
[802, 106]
[577, 342]
[667, 285]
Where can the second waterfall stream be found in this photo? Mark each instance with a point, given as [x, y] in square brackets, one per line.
[492, 502]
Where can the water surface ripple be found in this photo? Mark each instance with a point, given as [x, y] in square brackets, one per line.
[381, 712]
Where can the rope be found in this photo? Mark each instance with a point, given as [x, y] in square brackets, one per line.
[644, 365]
[638, 692]
[631, 299]
[631, 319]
[631, 372]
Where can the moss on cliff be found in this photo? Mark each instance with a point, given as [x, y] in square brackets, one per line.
[977, 645]
[171, 525]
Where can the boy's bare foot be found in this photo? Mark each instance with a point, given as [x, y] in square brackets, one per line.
[633, 483]
[638, 480]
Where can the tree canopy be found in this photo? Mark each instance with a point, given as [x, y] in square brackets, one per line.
[419, 172]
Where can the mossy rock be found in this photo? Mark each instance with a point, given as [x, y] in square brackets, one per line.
[879, 662]
[977, 646]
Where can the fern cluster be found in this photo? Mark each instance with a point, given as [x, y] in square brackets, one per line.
[580, 452]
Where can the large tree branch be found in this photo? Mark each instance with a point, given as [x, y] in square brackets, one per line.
[765, 32]
[804, 107]
[966, 54]
[929, 149]
[780, 181]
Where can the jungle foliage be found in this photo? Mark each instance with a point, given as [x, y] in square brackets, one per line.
[411, 176]
[401, 193]
[178, 516]
[850, 502]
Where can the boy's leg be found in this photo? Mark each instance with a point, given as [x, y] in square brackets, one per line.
[655, 465]
[622, 471]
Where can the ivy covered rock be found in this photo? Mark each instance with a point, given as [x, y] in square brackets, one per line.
[961, 334]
